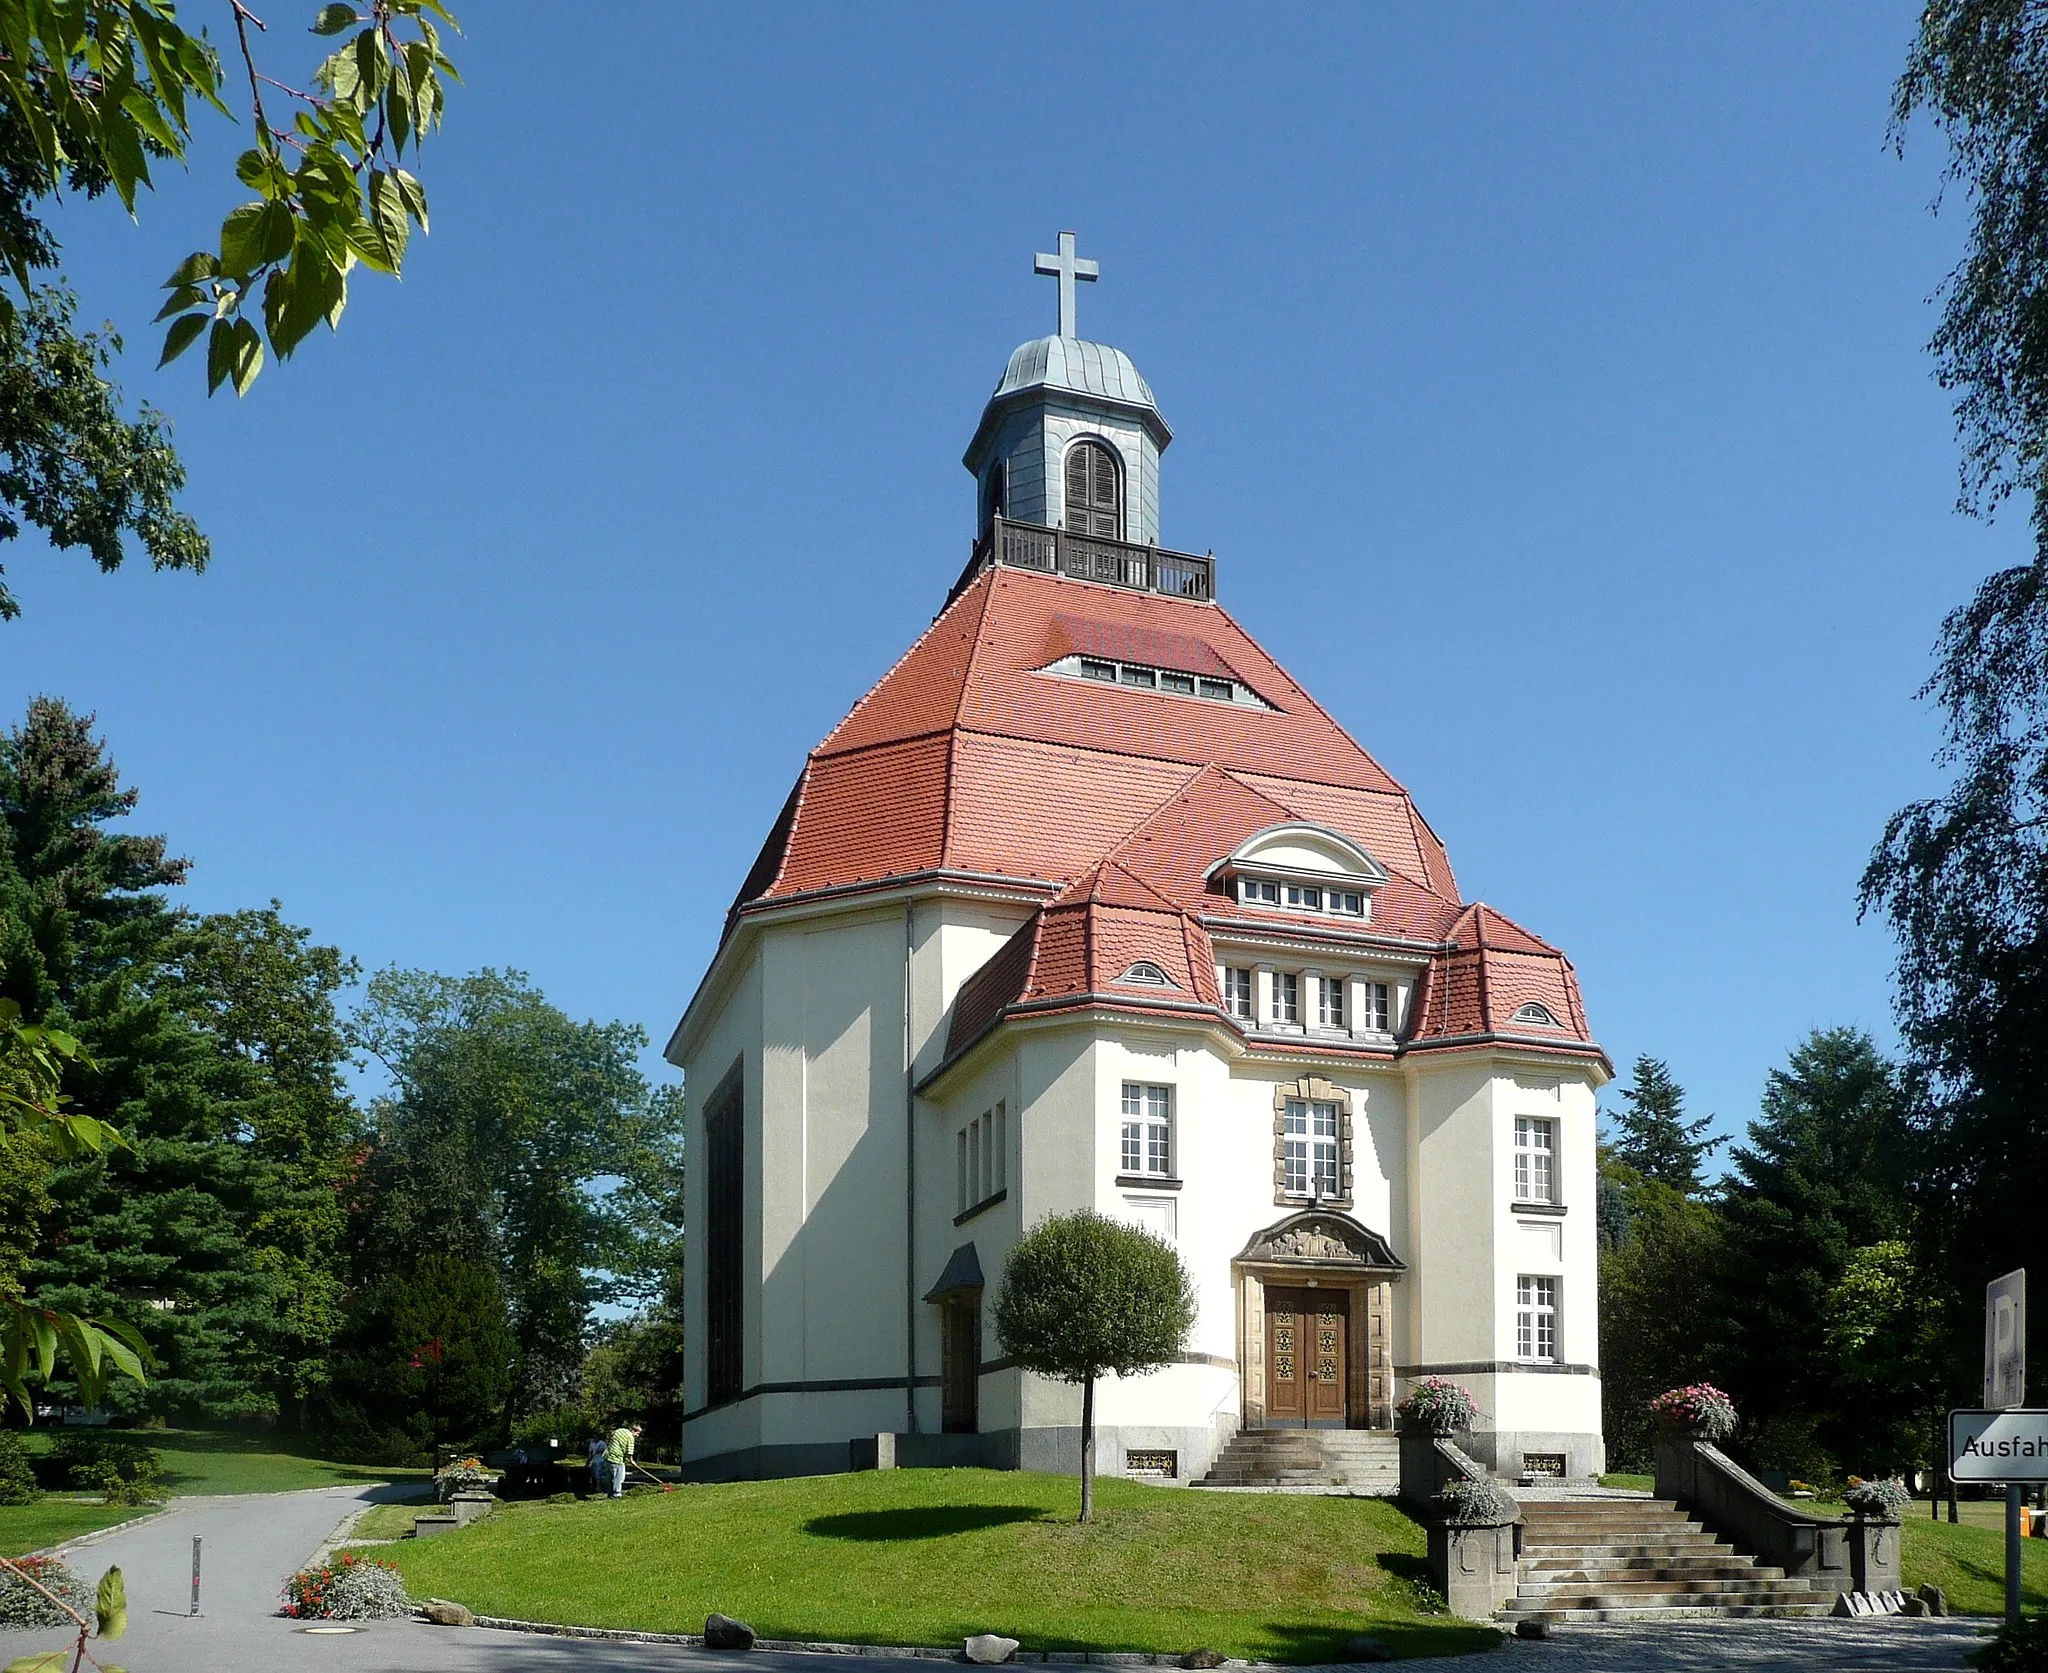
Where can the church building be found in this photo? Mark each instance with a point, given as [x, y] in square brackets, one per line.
[1087, 904]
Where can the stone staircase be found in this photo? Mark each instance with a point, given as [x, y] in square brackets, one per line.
[1310, 1460]
[1614, 1558]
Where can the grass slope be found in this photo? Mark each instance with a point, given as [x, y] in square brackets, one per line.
[1968, 1564]
[202, 1461]
[25, 1528]
[930, 1556]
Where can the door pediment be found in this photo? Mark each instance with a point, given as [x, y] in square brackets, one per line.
[1321, 1240]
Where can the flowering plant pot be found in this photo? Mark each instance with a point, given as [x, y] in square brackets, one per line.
[1877, 1501]
[1438, 1406]
[1699, 1410]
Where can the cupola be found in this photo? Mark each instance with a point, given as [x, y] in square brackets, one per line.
[1071, 437]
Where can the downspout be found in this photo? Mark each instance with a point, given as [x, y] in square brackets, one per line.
[909, 1181]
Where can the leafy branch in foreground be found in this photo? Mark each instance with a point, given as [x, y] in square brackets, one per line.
[33, 1108]
[330, 188]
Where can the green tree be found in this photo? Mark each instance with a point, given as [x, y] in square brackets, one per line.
[1963, 877]
[1653, 1137]
[1886, 1324]
[517, 1137]
[161, 1230]
[426, 1360]
[1826, 1172]
[1656, 1256]
[91, 93]
[1083, 1296]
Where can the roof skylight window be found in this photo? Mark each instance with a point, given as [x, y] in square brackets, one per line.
[1180, 682]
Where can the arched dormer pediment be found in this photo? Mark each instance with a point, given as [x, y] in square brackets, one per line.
[1302, 867]
[1321, 1240]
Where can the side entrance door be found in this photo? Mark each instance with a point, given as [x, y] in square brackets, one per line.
[960, 1366]
[1306, 1357]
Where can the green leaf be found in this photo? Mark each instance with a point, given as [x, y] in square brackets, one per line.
[334, 19]
[43, 1661]
[254, 236]
[185, 296]
[415, 196]
[387, 205]
[220, 354]
[341, 75]
[248, 355]
[200, 264]
[111, 1605]
[263, 171]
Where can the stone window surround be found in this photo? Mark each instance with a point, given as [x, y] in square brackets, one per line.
[1315, 1089]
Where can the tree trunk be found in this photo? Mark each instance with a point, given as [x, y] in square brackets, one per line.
[1088, 1450]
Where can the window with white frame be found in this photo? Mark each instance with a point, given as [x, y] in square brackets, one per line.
[1258, 891]
[1237, 993]
[1330, 1001]
[1346, 903]
[982, 1150]
[1379, 1008]
[1286, 998]
[1148, 1130]
[1535, 1159]
[1535, 1317]
[1303, 897]
[1309, 1134]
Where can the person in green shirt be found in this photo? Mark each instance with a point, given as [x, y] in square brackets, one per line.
[618, 1452]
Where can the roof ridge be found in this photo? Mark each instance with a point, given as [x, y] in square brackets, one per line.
[979, 585]
[1485, 984]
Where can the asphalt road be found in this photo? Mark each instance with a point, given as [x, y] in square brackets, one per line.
[252, 1542]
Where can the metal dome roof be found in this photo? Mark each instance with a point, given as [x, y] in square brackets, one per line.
[1069, 363]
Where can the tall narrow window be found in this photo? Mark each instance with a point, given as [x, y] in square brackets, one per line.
[1148, 1130]
[1330, 1001]
[966, 1192]
[1379, 1011]
[1535, 1317]
[1237, 993]
[1309, 1131]
[724, 1245]
[1094, 491]
[1535, 1159]
[1287, 998]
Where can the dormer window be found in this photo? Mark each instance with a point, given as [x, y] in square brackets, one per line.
[1146, 974]
[1303, 868]
[1302, 897]
[1537, 1014]
[1258, 891]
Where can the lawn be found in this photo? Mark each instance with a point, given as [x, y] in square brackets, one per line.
[204, 1461]
[930, 1556]
[25, 1528]
[393, 1520]
[1968, 1563]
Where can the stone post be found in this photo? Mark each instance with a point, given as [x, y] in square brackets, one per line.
[1874, 1554]
[1474, 1568]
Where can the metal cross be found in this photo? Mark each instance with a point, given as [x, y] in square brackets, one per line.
[1067, 267]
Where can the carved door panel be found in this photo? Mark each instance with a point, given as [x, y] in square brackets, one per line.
[1307, 1357]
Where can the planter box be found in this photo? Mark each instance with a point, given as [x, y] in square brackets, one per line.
[1474, 1568]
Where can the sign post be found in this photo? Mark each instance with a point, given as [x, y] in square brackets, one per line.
[2005, 1389]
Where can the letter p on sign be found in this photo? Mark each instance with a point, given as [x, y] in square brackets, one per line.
[2005, 1342]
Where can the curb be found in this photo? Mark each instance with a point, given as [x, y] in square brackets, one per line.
[919, 1652]
[98, 1534]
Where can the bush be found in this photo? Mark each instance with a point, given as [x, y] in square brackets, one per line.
[1886, 1501]
[1697, 1409]
[2020, 1648]
[1472, 1502]
[124, 1472]
[21, 1605]
[351, 1588]
[17, 1476]
[1438, 1406]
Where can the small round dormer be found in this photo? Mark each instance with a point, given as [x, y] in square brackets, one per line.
[1301, 869]
[1072, 436]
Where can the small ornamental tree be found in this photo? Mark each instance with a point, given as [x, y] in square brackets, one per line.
[1083, 1296]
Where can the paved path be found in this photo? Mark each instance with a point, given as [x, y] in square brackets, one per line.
[254, 1541]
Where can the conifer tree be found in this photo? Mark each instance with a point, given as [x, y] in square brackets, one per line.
[1653, 1136]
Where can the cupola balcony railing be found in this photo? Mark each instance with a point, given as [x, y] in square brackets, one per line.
[1092, 557]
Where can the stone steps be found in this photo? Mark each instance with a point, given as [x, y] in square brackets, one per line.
[1619, 1560]
[1364, 1460]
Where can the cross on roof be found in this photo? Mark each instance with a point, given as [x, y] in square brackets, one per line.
[1067, 267]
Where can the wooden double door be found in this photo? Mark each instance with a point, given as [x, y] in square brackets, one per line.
[1308, 1357]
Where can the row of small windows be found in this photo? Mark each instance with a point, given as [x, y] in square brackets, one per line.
[1283, 1005]
[1302, 897]
[1145, 676]
[983, 1156]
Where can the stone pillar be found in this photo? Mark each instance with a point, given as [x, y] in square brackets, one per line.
[1474, 1568]
[1874, 1555]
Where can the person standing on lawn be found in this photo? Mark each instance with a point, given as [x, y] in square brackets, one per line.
[599, 1471]
[619, 1454]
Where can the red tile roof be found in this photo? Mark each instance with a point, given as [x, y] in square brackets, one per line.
[965, 757]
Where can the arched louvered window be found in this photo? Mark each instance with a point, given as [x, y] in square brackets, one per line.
[1095, 500]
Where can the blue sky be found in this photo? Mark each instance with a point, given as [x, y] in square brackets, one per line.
[1549, 383]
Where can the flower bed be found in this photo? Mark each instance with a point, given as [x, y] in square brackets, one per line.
[21, 1605]
[1438, 1406]
[1697, 1409]
[467, 1475]
[351, 1588]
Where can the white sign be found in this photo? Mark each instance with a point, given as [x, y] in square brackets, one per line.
[2005, 1341]
[2003, 1446]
